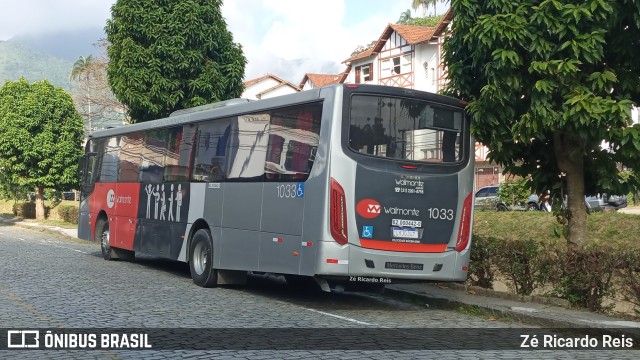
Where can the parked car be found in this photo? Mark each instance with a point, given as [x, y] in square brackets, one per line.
[602, 202]
[487, 198]
[68, 195]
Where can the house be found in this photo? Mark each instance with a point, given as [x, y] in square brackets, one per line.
[410, 56]
[406, 56]
[267, 86]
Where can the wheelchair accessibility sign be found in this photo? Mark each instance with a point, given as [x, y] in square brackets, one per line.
[367, 231]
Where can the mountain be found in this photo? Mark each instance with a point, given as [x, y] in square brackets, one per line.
[17, 60]
[66, 45]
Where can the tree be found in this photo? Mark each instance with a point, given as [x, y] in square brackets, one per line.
[94, 99]
[547, 82]
[169, 55]
[80, 72]
[42, 136]
[415, 4]
[405, 17]
[424, 4]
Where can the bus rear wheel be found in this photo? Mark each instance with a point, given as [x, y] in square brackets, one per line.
[201, 260]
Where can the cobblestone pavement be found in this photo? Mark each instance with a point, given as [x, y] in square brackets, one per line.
[50, 282]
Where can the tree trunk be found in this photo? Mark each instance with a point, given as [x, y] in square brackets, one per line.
[569, 150]
[40, 203]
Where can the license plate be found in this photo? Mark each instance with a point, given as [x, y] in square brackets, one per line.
[407, 233]
[406, 223]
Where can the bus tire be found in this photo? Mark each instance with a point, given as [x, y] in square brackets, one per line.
[201, 259]
[102, 235]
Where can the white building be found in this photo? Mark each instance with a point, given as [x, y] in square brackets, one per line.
[406, 56]
[267, 86]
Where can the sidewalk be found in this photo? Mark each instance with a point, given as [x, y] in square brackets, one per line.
[73, 233]
[529, 310]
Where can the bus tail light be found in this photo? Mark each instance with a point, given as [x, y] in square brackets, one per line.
[465, 224]
[338, 213]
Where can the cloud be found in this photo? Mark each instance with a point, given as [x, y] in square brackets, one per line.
[290, 38]
[34, 17]
[287, 38]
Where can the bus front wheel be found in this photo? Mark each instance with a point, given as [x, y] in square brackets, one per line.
[201, 259]
[102, 234]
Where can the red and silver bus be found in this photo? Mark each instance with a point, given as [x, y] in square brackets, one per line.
[344, 184]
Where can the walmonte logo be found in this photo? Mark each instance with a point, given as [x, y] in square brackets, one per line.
[368, 208]
[406, 182]
[400, 211]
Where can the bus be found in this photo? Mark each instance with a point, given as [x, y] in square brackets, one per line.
[346, 184]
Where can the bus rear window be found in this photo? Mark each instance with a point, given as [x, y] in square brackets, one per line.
[405, 129]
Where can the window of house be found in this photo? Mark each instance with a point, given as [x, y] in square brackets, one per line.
[396, 66]
[363, 73]
[366, 72]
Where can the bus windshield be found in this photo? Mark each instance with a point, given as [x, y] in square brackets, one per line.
[405, 129]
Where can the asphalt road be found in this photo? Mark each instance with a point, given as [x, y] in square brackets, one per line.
[50, 282]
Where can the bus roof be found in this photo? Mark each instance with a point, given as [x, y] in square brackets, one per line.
[243, 106]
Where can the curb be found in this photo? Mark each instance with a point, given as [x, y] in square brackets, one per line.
[532, 318]
[447, 303]
[480, 291]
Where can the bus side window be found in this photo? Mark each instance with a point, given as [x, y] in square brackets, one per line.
[153, 152]
[177, 159]
[211, 151]
[132, 146]
[293, 142]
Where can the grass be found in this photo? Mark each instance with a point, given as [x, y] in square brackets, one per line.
[607, 227]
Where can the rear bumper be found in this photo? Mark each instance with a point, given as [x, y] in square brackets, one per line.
[355, 261]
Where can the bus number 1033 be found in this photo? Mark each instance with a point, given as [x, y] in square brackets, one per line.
[290, 191]
[440, 214]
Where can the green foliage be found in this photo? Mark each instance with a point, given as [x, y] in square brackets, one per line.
[27, 210]
[524, 264]
[170, 55]
[429, 21]
[514, 191]
[547, 81]
[42, 135]
[586, 276]
[629, 273]
[609, 264]
[68, 213]
[482, 266]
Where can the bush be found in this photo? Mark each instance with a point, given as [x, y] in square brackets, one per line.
[27, 210]
[586, 275]
[629, 275]
[68, 213]
[524, 263]
[482, 265]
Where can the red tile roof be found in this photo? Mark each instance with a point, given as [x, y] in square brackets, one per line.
[320, 80]
[412, 34]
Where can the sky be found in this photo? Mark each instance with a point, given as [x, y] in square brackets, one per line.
[287, 38]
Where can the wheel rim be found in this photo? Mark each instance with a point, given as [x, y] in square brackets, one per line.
[104, 240]
[200, 258]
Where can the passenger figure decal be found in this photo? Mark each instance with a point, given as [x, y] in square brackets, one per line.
[167, 201]
[171, 204]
